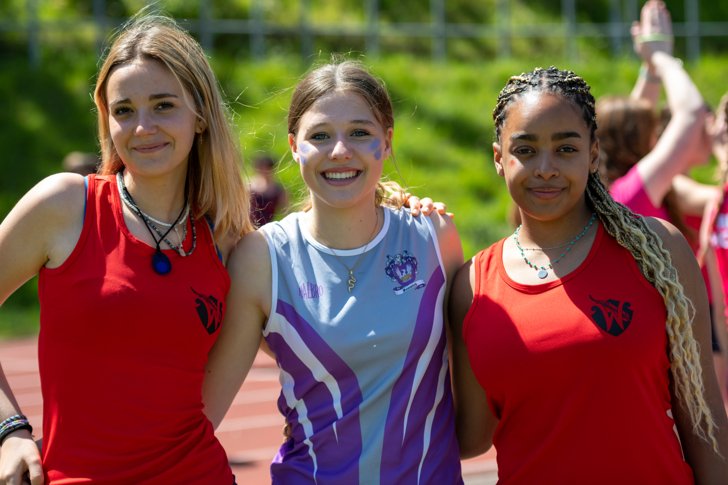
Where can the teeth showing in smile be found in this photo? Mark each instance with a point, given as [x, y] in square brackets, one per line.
[340, 175]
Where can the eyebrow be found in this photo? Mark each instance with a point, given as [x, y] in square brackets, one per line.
[152, 97]
[562, 135]
[352, 122]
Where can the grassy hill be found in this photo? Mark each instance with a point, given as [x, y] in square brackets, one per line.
[443, 127]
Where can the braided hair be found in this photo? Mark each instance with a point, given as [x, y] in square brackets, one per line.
[632, 233]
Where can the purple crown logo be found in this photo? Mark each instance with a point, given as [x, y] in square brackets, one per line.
[402, 269]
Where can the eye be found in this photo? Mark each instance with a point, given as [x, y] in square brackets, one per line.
[121, 110]
[164, 105]
[360, 132]
[523, 150]
[568, 149]
[319, 136]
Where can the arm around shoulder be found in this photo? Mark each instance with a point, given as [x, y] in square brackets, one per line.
[448, 238]
[474, 421]
[248, 306]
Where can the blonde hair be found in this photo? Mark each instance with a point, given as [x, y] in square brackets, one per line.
[215, 185]
[634, 234]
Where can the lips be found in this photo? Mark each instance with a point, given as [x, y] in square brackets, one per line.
[150, 147]
[546, 192]
[340, 175]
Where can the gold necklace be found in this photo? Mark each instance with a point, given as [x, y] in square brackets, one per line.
[351, 281]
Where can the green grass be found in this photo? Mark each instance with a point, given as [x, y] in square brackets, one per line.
[442, 141]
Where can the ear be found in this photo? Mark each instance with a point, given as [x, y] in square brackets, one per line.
[388, 144]
[594, 157]
[498, 159]
[294, 147]
[200, 125]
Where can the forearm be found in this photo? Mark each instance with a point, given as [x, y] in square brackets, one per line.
[8, 404]
[682, 95]
[647, 86]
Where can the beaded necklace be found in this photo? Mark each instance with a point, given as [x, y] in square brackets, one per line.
[543, 271]
[160, 262]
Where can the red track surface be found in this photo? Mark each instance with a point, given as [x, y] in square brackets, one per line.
[251, 432]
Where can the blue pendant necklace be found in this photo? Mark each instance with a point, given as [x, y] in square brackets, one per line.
[543, 271]
[160, 262]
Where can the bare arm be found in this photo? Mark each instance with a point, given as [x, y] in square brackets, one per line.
[682, 144]
[248, 306]
[708, 466]
[655, 26]
[474, 422]
[41, 230]
[693, 196]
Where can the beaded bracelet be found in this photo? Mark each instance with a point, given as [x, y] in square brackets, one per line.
[12, 424]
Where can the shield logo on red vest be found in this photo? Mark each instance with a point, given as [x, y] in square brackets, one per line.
[612, 316]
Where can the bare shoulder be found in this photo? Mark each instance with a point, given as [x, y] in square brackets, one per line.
[250, 268]
[682, 255]
[53, 209]
[58, 194]
[670, 235]
[41, 230]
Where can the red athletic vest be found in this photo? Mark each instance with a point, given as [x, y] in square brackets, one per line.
[122, 352]
[576, 370]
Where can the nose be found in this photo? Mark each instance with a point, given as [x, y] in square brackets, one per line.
[546, 167]
[340, 151]
[145, 124]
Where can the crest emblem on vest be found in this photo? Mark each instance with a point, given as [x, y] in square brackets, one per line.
[612, 316]
[209, 309]
[402, 270]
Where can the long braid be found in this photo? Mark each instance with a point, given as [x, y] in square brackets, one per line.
[631, 232]
[655, 263]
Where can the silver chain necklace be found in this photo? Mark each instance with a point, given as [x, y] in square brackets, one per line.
[543, 271]
[351, 280]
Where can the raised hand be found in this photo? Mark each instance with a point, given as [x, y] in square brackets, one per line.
[653, 32]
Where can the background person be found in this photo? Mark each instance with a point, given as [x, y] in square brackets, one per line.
[268, 196]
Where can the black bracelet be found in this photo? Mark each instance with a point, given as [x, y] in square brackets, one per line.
[13, 424]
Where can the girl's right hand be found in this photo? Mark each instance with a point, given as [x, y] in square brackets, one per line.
[653, 32]
[20, 460]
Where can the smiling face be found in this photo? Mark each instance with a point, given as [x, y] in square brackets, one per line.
[151, 122]
[340, 147]
[545, 153]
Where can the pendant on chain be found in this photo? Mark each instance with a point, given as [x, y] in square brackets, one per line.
[542, 273]
[352, 280]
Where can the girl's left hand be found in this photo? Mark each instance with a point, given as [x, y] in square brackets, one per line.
[426, 206]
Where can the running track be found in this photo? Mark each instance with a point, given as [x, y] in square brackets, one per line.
[251, 432]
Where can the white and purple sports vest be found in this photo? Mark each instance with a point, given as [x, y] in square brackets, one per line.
[364, 375]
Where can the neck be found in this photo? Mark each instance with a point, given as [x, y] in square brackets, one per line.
[544, 234]
[162, 198]
[344, 229]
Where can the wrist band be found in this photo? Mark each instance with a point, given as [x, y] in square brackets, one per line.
[654, 37]
[12, 424]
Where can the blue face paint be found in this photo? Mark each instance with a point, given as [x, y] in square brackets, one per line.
[303, 149]
[375, 147]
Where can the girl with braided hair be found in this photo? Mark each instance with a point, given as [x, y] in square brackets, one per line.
[577, 340]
